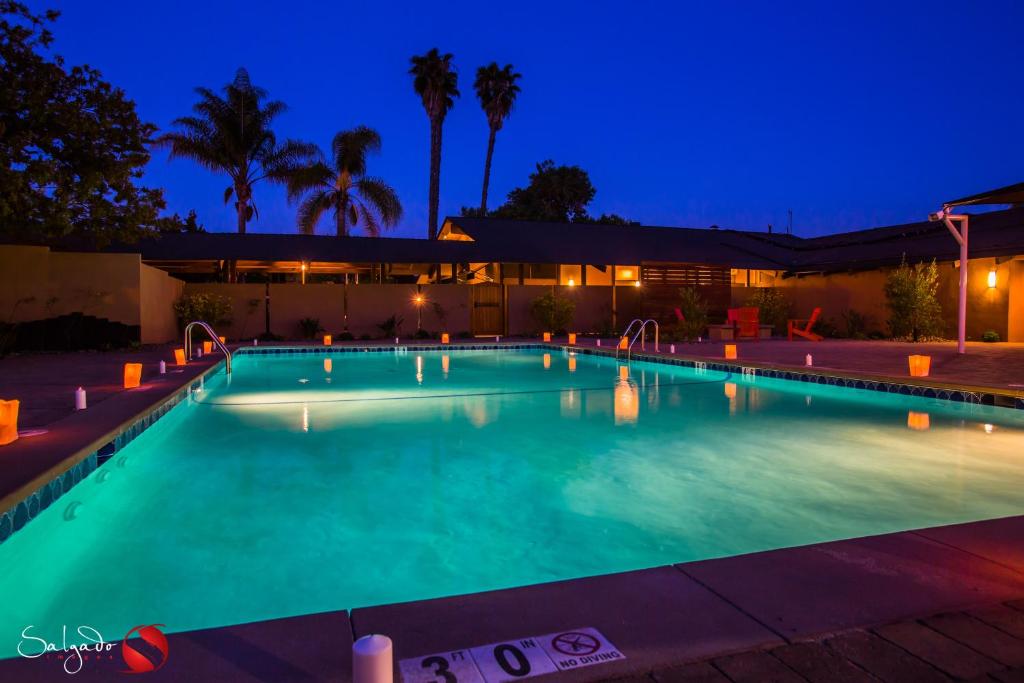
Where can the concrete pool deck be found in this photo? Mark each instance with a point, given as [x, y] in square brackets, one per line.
[901, 603]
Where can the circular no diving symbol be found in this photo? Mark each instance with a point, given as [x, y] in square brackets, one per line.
[576, 644]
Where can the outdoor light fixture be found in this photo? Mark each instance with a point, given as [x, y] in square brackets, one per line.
[303, 272]
[636, 283]
[547, 336]
[8, 421]
[919, 365]
[572, 338]
[572, 283]
[444, 337]
[730, 351]
[179, 356]
[627, 274]
[418, 299]
[327, 340]
[992, 279]
[207, 347]
[132, 375]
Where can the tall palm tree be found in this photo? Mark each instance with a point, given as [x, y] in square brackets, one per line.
[496, 89]
[436, 82]
[341, 184]
[231, 134]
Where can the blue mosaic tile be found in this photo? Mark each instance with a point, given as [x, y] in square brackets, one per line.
[20, 516]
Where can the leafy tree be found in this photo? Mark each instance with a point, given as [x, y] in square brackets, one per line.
[436, 82]
[496, 89]
[212, 308]
[175, 223]
[552, 313]
[342, 185]
[773, 307]
[695, 314]
[556, 193]
[71, 144]
[613, 219]
[911, 292]
[232, 134]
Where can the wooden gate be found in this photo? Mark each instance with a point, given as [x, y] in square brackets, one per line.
[486, 317]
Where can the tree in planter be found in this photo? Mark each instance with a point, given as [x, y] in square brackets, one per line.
[552, 313]
[210, 308]
[773, 307]
[695, 314]
[914, 307]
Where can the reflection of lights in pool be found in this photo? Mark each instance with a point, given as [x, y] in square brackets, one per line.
[25, 433]
[305, 417]
[419, 369]
[303, 381]
[989, 428]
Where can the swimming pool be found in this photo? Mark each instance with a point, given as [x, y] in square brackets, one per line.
[314, 482]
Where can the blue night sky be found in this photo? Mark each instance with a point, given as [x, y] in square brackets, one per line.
[691, 114]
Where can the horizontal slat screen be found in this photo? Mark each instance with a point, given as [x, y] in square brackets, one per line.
[683, 274]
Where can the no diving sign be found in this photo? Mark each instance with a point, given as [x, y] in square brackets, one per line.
[513, 660]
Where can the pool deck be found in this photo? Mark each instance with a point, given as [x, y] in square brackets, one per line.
[935, 604]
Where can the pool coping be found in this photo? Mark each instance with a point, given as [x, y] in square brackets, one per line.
[19, 506]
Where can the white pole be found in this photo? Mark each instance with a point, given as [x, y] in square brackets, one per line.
[961, 329]
[372, 660]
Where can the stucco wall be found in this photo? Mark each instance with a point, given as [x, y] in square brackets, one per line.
[158, 292]
[247, 307]
[1015, 301]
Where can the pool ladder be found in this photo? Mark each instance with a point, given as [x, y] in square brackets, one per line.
[641, 334]
[213, 337]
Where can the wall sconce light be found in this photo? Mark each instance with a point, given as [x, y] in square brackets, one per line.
[132, 375]
[636, 283]
[730, 351]
[8, 421]
[327, 340]
[627, 274]
[919, 365]
[992, 279]
[179, 356]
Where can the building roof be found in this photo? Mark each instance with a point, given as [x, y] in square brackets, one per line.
[484, 240]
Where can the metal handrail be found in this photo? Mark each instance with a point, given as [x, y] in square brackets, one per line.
[629, 327]
[642, 336]
[213, 336]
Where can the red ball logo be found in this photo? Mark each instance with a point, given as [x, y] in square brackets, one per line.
[137, 662]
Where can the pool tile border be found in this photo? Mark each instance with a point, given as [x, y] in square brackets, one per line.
[15, 518]
[21, 513]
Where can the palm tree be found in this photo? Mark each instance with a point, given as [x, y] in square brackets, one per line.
[496, 89]
[436, 83]
[231, 134]
[341, 184]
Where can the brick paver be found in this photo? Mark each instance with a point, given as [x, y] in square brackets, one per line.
[756, 667]
[697, 672]
[820, 664]
[883, 659]
[943, 653]
[980, 637]
[1003, 617]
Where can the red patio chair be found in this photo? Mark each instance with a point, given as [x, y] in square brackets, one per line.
[745, 321]
[800, 329]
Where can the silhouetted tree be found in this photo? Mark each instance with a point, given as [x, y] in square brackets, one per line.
[497, 90]
[436, 82]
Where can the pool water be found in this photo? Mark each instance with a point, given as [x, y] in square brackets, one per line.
[308, 483]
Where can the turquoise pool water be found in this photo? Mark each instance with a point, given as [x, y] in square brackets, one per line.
[299, 488]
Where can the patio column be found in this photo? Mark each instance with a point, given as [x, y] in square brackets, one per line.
[961, 237]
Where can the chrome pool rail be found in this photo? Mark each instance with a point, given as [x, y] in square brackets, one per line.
[641, 334]
[213, 337]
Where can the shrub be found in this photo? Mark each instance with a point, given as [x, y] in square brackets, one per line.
[344, 336]
[552, 313]
[391, 326]
[211, 308]
[990, 336]
[913, 304]
[310, 327]
[856, 324]
[772, 305]
[423, 334]
[695, 315]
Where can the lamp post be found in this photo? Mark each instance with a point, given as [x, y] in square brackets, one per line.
[960, 235]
